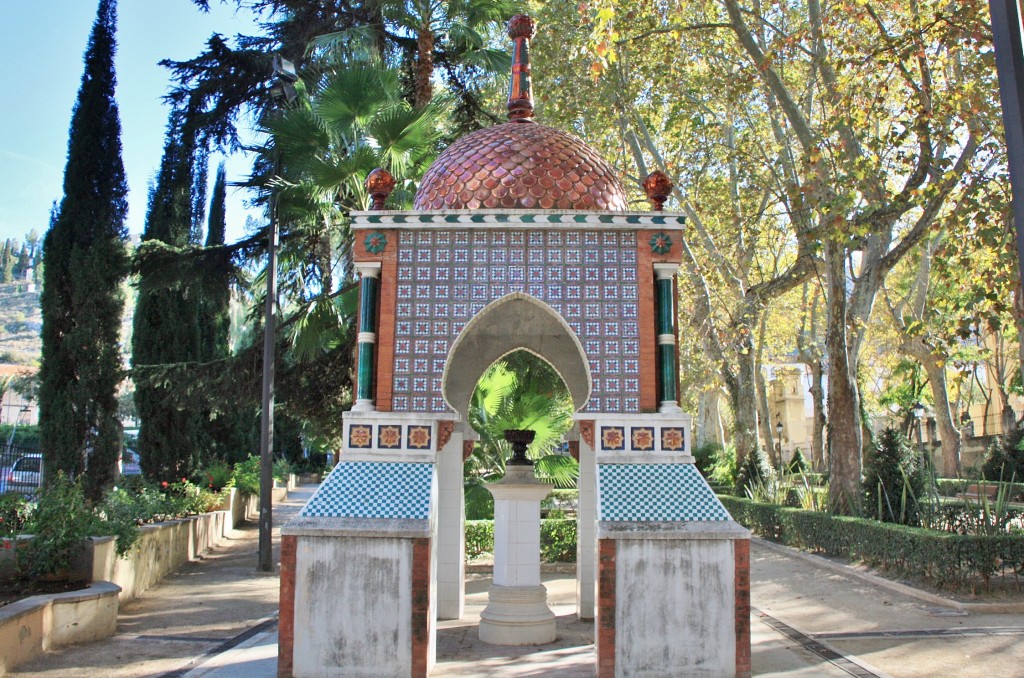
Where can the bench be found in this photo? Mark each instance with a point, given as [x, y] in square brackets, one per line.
[975, 491]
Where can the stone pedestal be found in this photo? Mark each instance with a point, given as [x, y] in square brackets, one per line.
[517, 612]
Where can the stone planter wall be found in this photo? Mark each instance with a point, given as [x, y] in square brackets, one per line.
[35, 625]
[38, 624]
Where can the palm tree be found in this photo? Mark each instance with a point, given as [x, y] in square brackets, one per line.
[349, 121]
[521, 391]
[450, 35]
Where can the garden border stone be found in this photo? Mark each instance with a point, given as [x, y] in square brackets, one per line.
[41, 623]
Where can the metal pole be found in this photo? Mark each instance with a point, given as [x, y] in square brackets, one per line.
[1006, 30]
[266, 563]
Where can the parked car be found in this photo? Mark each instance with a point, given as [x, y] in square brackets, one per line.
[25, 475]
[129, 465]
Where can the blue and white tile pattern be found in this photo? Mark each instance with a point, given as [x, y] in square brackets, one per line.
[358, 489]
[655, 492]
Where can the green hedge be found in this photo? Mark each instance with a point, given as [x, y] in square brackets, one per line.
[948, 560]
[950, 487]
[557, 539]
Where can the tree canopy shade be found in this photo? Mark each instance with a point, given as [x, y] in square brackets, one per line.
[810, 145]
[85, 263]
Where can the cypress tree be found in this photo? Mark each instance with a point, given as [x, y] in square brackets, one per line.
[166, 319]
[24, 263]
[230, 433]
[6, 263]
[85, 262]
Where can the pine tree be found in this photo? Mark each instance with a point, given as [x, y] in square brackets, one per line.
[166, 319]
[85, 263]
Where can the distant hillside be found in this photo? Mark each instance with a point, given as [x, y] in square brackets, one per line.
[20, 324]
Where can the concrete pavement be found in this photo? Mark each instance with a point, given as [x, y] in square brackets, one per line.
[217, 618]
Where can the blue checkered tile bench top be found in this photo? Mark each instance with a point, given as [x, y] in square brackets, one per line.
[655, 492]
[362, 489]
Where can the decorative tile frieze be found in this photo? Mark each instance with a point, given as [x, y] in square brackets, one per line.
[628, 438]
[391, 436]
[503, 219]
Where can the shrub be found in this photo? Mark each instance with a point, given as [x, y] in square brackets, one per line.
[60, 521]
[705, 455]
[479, 537]
[188, 499]
[247, 476]
[1004, 459]
[216, 475]
[15, 511]
[281, 469]
[952, 560]
[894, 480]
[798, 464]
[723, 469]
[558, 540]
[755, 472]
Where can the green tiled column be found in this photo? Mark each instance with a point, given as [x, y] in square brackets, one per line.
[367, 338]
[664, 301]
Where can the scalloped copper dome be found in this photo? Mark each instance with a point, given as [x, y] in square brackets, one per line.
[520, 165]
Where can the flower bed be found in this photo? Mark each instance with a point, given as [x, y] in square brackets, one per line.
[947, 560]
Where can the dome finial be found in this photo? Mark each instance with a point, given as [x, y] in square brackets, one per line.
[379, 184]
[657, 186]
[520, 95]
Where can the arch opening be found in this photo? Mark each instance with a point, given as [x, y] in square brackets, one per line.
[515, 322]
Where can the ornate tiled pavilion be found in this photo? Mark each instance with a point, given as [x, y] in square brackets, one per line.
[520, 239]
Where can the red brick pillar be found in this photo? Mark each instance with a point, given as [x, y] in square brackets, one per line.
[286, 617]
[741, 548]
[421, 621]
[605, 622]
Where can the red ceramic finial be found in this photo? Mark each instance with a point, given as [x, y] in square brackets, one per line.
[521, 29]
[658, 186]
[379, 184]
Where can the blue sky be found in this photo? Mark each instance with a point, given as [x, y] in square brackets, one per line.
[44, 42]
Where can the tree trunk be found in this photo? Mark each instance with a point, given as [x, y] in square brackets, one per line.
[765, 420]
[844, 425]
[948, 432]
[709, 427]
[423, 90]
[818, 417]
[745, 402]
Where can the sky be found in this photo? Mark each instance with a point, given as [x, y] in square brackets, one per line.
[44, 43]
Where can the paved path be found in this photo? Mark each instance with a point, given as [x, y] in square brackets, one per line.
[217, 618]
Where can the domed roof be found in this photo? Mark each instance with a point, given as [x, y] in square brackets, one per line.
[520, 165]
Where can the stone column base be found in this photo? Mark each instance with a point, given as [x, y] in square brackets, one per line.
[517, 615]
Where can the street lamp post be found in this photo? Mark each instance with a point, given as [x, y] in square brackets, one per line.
[778, 432]
[283, 90]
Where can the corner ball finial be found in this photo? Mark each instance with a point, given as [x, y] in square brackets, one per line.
[379, 184]
[521, 28]
[658, 187]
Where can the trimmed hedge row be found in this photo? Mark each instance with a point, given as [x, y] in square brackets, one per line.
[948, 560]
[950, 487]
[557, 539]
